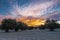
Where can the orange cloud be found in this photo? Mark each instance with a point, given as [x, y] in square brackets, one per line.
[36, 11]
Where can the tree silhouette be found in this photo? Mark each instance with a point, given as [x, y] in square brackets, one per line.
[0, 26]
[46, 23]
[51, 24]
[19, 26]
[8, 24]
[42, 27]
[23, 26]
[30, 27]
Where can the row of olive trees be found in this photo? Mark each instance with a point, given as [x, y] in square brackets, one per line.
[10, 24]
[50, 24]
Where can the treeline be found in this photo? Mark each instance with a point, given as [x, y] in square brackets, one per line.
[50, 24]
[12, 24]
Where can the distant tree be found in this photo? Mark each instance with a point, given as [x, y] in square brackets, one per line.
[21, 26]
[8, 24]
[51, 25]
[46, 23]
[42, 27]
[30, 27]
[0, 26]
[35, 27]
[16, 28]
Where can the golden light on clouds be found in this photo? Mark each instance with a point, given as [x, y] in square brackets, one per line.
[32, 22]
[36, 22]
[33, 14]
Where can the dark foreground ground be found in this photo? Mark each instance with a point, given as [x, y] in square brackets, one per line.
[31, 35]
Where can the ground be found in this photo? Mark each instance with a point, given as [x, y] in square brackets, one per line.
[31, 35]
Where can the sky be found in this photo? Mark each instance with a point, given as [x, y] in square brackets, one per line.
[28, 8]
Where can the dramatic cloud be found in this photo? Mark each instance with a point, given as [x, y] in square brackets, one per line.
[31, 12]
[34, 10]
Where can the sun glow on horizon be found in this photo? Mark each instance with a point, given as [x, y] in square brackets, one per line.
[36, 11]
[32, 22]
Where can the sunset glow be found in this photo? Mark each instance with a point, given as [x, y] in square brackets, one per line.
[32, 22]
[31, 12]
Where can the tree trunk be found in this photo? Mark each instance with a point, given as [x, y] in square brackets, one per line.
[6, 30]
[16, 30]
[51, 29]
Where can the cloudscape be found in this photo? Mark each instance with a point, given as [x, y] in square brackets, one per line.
[31, 12]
